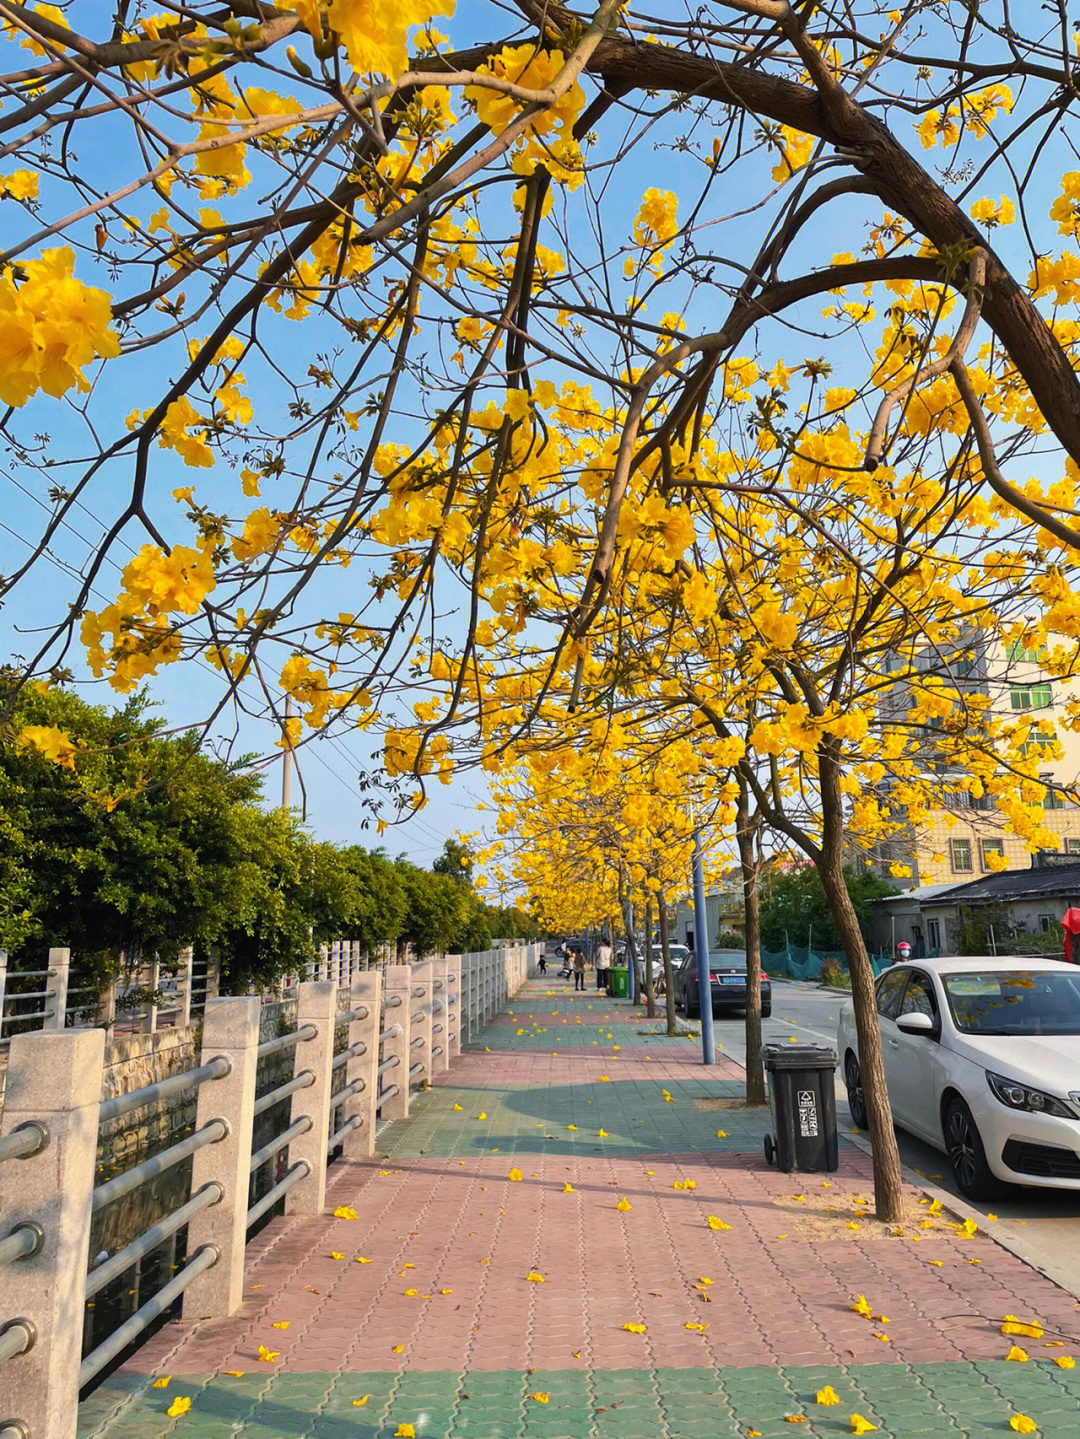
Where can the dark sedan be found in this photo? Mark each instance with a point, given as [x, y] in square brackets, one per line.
[727, 971]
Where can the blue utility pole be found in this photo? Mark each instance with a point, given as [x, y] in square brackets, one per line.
[701, 954]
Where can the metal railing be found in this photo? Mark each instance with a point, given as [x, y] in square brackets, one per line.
[386, 1025]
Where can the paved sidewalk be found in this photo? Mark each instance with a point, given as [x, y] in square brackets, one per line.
[576, 1235]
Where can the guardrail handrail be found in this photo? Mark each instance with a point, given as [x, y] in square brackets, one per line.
[39, 1347]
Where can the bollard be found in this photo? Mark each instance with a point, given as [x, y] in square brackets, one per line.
[230, 1028]
[397, 984]
[317, 1005]
[57, 985]
[440, 1018]
[53, 1080]
[365, 993]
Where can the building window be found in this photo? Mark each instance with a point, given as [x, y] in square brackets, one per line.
[1052, 799]
[1018, 652]
[1072, 846]
[933, 933]
[1046, 923]
[989, 847]
[1031, 697]
[960, 850]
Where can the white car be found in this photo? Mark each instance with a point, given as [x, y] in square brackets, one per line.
[982, 1060]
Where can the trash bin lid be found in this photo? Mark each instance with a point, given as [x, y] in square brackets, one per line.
[798, 1056]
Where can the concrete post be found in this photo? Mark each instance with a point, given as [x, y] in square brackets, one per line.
[422, 977]
[230, 1028]
[397, 983]
[106, 1013]
[317, 1005]
[153, 984]
[454, 965]
[440, 1041]
[187, 960]
[3, 986]
[365, 992]
[213, 975]
[57, 985]
[55, 1081]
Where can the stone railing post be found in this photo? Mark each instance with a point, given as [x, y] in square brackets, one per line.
[153, 984]
[440, 1016]
[54, 1083]
[230, 1028]
[454, 966]
[3, 986]
[316, 1005]
[57, 985]
[365, 992]
[187, 961]
[422, 980]
[397, 982]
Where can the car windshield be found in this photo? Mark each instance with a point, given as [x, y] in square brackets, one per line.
[727, 959]
[1014, 1001]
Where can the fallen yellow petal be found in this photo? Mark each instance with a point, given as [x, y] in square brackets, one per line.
[602, 1133]
[535, 1278]
[828, 1395]
[715, 1222]
[568, 1188]
[234, 1373]
[794, 1418]
[541, 1398]
[446, 1291]
[481, 1115]
[410, 1293]
[721, 1134]
[695, 1328]
[404, 1431]
[514, 1176]
[335, 1255]
[179, 1406]
[398, 1349]
[281, 1324]
[1018, 1355]
[1064, 1361]
[162, 1383]
[859, 1425]
[344, 1211]
[359, 1403]
[624, 1205]
[937, 1263]
[861, 1307]
[361, 1260]
[458, 1108]
[1030, 1328]
[267, 1356]
[634, 1328]
[571, 1126]
[1023, 1424]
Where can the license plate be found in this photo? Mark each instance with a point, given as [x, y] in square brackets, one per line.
[731, 979]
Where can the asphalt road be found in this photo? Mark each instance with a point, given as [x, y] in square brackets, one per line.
[1042, 1224]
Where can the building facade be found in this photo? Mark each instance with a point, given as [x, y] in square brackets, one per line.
[965, 838]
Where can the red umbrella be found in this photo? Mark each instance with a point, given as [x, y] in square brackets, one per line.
[1071, 925]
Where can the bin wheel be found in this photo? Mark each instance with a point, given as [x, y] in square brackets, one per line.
[770, 1149]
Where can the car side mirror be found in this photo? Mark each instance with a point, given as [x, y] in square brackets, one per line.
[916, 1023]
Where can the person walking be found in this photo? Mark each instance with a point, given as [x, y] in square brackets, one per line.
[542, 964]
[579, 970]
[603, 965]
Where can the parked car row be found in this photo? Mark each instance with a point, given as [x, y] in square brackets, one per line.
[982, 1060]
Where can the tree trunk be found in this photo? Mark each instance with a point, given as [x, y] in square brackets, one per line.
[888, 1186]
[669, 985]
[746, 830]
[650, 989]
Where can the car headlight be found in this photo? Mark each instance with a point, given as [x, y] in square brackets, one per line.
[1015, 1095]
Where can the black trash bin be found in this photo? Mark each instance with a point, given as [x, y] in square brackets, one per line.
[802, 1101]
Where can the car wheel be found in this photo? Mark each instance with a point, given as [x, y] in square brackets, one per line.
[974, 1177]
[855, 1097]
[693, 1011]
[766, 1010]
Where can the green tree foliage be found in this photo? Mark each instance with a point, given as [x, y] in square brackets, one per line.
[146, 845]
[794, 908]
